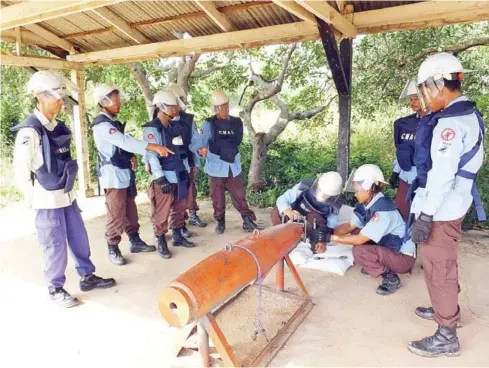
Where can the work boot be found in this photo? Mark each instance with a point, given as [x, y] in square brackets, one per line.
[92, 281]
[138, 245]
[391, 283]
[163, 247]
[221, 226]
[429, 314]
[185, 233]
[179, 241]
[249, 225]
[443, 342]
[61, 297]
[195, 220]
[115, 255]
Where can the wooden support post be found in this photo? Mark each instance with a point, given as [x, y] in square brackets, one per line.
[296, 276]
[220, 341]
[345, 111]
[80, 130]
[280, 275]
[18, 41]
[203, 345]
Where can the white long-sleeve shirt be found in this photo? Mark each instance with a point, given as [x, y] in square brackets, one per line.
[27, 159]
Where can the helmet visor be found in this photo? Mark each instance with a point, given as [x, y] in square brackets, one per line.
[409, 89]
[349, 183]
[318, 192]
[429, 89]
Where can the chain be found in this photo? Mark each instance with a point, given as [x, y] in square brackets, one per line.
[258, 323]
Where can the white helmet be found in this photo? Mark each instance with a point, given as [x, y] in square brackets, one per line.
[441, 65]
[409, 89]
[177, 90]
[101, 93]
[163, 99]
[53, 84]
[327, 185]
[366, 175]
[219, 98]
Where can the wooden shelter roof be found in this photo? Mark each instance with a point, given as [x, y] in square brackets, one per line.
[117, 31]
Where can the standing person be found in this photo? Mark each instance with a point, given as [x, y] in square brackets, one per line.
[188, 122]
[380, 247]
[449, 154]
[318, 201]
[116, 172]
[169, 188]
[404, 171]
[45, 173]
[218, 141]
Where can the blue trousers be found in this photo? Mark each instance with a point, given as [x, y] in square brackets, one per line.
[54, 228]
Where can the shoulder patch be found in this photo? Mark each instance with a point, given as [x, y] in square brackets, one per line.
[201, 131]
[112, 130]
[447, 134]
[375, 217]
[151, 136]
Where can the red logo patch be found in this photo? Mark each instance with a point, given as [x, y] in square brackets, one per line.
[375, 218]
[447, 134]
[150, 136]
[201, 131]
[112, 130]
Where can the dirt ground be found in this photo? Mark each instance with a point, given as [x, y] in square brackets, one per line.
[350, 324]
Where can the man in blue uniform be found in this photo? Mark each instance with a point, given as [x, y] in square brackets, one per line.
[218, 141]
[404, 171]
[45, 173]
[171, 180]
[449, 153]
[116, 172]
[318, 202]
[379, 247]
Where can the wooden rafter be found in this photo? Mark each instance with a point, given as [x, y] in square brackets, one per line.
[294, 8]
[217, 17]
[39, 62]
[50, 36]
[341, 5]
[28, 37]
[30, 12]
[121, 25]
[327, 13]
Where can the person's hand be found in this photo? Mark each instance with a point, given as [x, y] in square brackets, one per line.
[164, 184]
[320, 247]
[421, 229]
[134, 163]
[292, 214]
[148, 169]
[203, 151]
[161, 150]
[194, 170]
[394, 180]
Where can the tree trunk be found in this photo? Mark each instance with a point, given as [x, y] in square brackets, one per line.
[258, 161]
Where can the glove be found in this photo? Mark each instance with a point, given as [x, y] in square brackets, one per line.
[166, 187]
[421, 229]
[394, 180]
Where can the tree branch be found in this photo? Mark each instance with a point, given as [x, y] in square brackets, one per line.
[307, 114]
[204, 72]
[285, 64]
[141, 78]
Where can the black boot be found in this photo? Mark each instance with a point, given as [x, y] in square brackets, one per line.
[115, 255]
[443, 342]
[391, 283]
[195, 220]
[249, 225]
[92, 281]
[138, 245]
[429, 314]
[179, 241]
[221, 226]
[185, 233]
[61, 297]
[163, 247]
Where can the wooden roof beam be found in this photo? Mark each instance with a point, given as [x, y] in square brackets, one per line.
[294, 8]
[29, 12]
[121, 25]
[327, 13]
[39, 62]
[217, 17]
[28, 37]
[50, 36]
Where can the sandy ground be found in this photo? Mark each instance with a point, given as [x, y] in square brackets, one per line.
[349, 326]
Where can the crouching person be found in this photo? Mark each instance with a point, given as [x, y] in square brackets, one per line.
[169, 188]
[318, 202]
[379, 246]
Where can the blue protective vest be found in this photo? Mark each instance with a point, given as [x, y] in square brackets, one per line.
[174, 162]
[227, 135]
[187, 121]
[422, 156]
[383, 204]
[58, 170]
[404, 133]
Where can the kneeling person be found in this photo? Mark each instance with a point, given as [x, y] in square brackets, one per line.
[318, 202]
[169, 188]
[381, 223]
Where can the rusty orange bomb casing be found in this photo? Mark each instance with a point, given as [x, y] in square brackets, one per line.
[218, 277]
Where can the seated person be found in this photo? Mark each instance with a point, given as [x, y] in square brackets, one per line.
[318, 202]
[382, 249]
